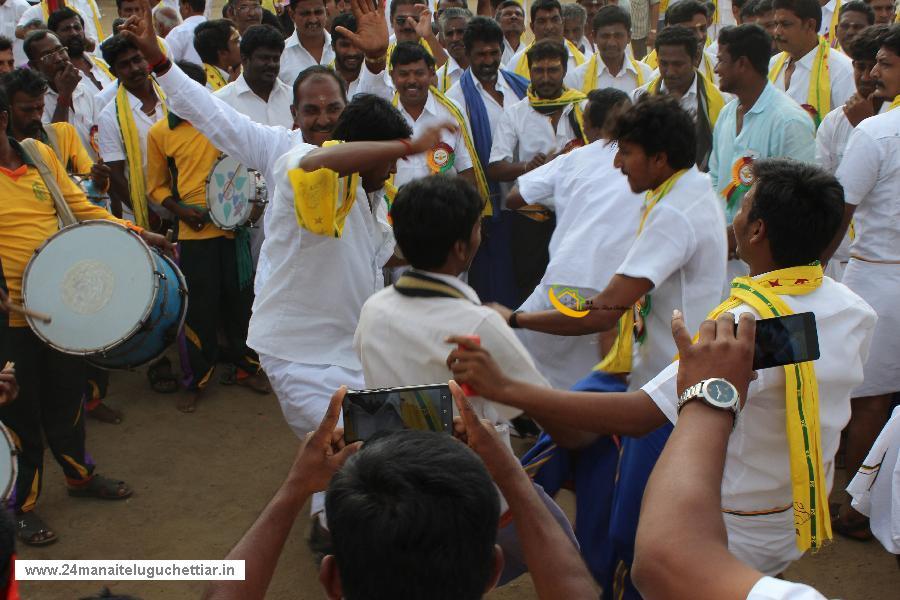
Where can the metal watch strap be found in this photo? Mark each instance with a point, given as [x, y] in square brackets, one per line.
[688, 394]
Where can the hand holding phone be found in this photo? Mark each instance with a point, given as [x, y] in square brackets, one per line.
[422, 407]
[785, 340]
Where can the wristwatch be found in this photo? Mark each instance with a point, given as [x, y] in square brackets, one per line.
[718, 393]
[513, 320]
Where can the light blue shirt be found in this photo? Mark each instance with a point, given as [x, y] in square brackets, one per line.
[776, 127]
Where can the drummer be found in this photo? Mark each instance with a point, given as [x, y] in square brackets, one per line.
[216, 264]
[51, 383]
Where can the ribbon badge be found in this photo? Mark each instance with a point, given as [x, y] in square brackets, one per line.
[441, 158]
[742, 179]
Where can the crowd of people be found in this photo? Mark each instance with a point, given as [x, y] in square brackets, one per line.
[545, 202]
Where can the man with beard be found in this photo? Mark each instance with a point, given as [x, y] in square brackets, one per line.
[310, 43]
[452, 24]
[762, 13]
[86, 8]
[546, 24]
[614, 68]
[511, 17]
[181, 38]
[348, 59]
[218, 44]
[70, 98]
[808, 70]
[69, 29]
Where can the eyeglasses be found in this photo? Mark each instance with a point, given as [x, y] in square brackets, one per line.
[54, 56]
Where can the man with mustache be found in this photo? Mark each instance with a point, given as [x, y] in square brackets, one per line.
[884, 11]
[452, 24]
[855, 16]
[692, 15]
[546, 24]
[243, 13]
[762, 13]
[181, 38]
[348, 59]
[807, 69]
[511, 18]
[69, 29]
[411, 23]
[310, 43]
[86, 8]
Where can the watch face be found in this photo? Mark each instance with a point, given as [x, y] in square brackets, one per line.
[720, 393]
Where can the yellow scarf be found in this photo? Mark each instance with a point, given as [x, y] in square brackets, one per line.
[214, 77]
[567, 97]
[131, 141]
[316, 195]
[100, 64]
[763, 294]
[590, 77]
[895, 103]
[651, 60]
[818, 101]
[444, 81]
[45, 10]
[715, 102]
[522, 65]
[480, 179]
[830, 34]
[618, 359]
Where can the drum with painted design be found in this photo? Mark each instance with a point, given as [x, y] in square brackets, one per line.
[232, 192]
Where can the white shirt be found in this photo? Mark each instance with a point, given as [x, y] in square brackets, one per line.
[523, 48]
[308, 308]
[83, 115]
[831, 141]
[508, 52]
[682, 250]
[401, 341]
[82, 7]
[827, 14]
[277, 111]
[757, 473]
[493, 108]
[181, 40]
[840, 71]
[98, 74]
[593, 230]
[626, 79]
[770, 588]
[870, 174]
[11, 12]
[688, 102]
[296, 58]
[524, 132]
[449, 74]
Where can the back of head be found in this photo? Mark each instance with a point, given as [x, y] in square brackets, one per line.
[804, 9]
[611, 15]
[750, 41]
[58, 16]
[193, 70]
[683, 11]
[860, 7]
[115, 46]
[865, 45]
[413, 515]
[482, 29]
[210, 37]
[28, 81]
[545, 5]
[548, 49]
[677, 35]
[601, 104]
[197, 6]
[369, 118]
[430, 215]
[407, 53]
[789, 192]
[891, 39]
[261, 36]
[659, 124]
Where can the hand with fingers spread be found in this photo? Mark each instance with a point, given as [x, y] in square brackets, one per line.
[139, 29]
[371, 34]
[431, 137]
[423, 26]
[720, 351]
[472, 364]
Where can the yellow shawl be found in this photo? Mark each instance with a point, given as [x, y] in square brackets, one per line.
[818, 99]
[590, 77]
[522, 65]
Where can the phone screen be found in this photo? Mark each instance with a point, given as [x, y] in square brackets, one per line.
[785, 340]
[367, 412]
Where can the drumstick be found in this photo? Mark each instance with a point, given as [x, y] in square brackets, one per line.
[230, 181]
[16, 308]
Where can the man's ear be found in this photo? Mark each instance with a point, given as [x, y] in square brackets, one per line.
[330, 578]
[757, 230]
[497, 569]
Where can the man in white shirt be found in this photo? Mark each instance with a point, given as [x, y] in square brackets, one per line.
[597, 217]
[310, 43]
[217, 42]
[870, 174]
[511, 18]
[348, 59]
[451, 26]
[546, 24]
[11, 12]
[181, 38]
[855, 16]
[86, 8]
[807, 69]
[611, 66]
[243, 13]
[574, 22]
[692, 15]
[757, 486]
[68, 26]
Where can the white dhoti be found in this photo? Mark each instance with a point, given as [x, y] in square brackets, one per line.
[563, 360]
[879, 285]
[765, 542]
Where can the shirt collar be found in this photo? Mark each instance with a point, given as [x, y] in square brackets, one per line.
[692, 89]
[194, 19]
[430, 106]
[627, 65]
[808, 58]
[455, 282]
[830, 6]
[294, 40]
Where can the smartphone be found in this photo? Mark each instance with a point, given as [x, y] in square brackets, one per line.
[422, 407]
[785, 340]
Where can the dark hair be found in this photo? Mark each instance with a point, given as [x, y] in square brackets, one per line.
[451, 13]
[748, 10]
[32, 38]
[317, 71]
[28, 81]
[659, 124]
[406, 53]
[764, 6]
[430, 215]
[684, 10]
[860, 7]
[892, 39]
[865, 45]
[545, 5]
[5, 43]
[63, 14]
[261, 36]
[396, 3]
[193, 70]
[805, 9]
[113, 47]
[369, 118]
[198, 6]
[750, 41]
[789, 192]
[482, 29]
[678, 35]
[413, 514]
[507, 4]
[548, 49]
[739, 3]
[119, 3]
[601, 102]
[4, 102]
[611, 14]
[210, 37]
[345, 20]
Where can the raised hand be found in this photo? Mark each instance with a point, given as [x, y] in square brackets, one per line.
[371, 34]
[423, 27]
[66, 80]
[139, 29]
[431, 137]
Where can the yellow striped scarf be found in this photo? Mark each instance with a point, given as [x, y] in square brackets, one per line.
[522, 65]
[818, 99]
[590, 77]
[214, 77]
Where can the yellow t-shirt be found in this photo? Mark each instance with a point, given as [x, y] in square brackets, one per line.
[193, 156]
[28, 218]
[64, 140]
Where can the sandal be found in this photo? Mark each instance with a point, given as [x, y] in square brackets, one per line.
[32, 530]
[856, 528]
[103, 488]
[258, 382]
[161, 378]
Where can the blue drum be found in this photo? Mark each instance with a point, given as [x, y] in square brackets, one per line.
[111, 298]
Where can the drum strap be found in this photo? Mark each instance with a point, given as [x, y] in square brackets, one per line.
[65, 214]
[53, 142]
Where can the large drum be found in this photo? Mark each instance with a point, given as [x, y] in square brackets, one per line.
[111, 298]
[232, 192]
[97, 197]
[9, 465]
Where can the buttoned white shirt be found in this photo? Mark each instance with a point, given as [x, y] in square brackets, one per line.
[83, 115]
[82, 7]
[277, 111]
[296, 58]
[181, 40]
[840, 72]
[688, 101]
[827, 14]
[11, 12]
[98, 74]
[524, 132]
[401, 340]
[629, 77]
[870, 174]
[508, 52]
[448, 74]
[493, 108]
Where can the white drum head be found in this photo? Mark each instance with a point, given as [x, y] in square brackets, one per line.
[229, 189]
[96, 280]
[8, 464]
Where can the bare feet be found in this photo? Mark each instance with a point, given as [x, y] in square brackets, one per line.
[258, 382]
[187, 402]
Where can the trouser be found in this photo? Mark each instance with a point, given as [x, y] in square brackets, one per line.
[96, 388]
[51, 388]
[215, 300]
